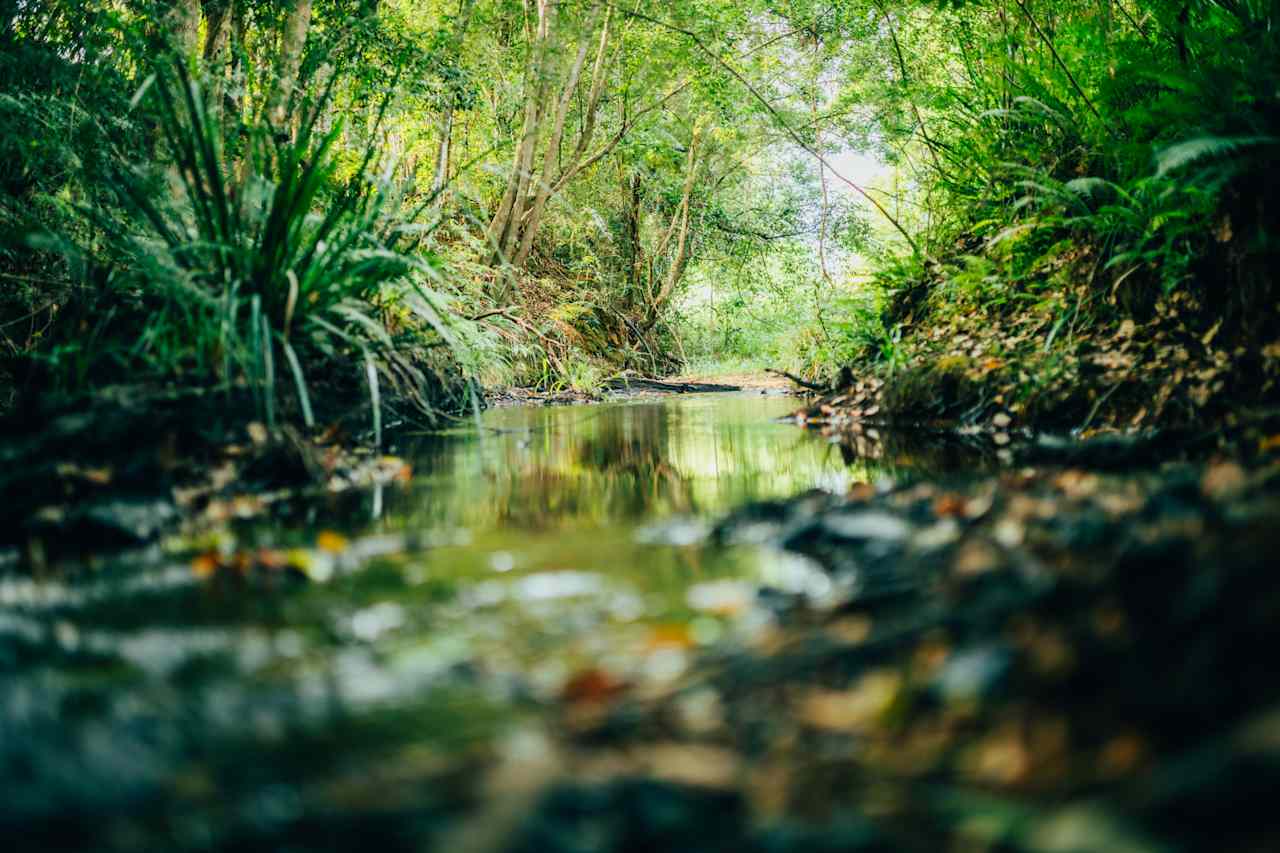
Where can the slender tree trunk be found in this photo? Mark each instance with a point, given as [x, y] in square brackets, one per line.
[217, 14]
[500, 226]
[183, 24]
[680, 223]
[441, 176]
[593, 105]
[635, 249]
[529, 227]
[524, 175]
[233, 99]
[289, 60]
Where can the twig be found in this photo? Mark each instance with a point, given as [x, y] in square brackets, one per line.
[496, 312]
[1054, 51]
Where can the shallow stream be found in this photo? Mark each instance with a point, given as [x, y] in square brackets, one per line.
[543, 553]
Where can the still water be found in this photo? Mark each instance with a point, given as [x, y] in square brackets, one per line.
[146, 705]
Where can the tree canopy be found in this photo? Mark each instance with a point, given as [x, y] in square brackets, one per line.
[548, 191]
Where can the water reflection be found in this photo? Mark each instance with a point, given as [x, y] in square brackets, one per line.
[570, 489]
[553, 469]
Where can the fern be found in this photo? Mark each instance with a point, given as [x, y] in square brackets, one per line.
[1202, 148]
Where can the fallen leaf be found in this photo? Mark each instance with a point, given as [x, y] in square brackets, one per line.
[257, 433]
[1223, 480]
[692, 764]
[674, 636]
[592, 685]
[976, 557]
[1121, 755]
[949, 504]
[1001, 758]
[206, 564]
[857, 709]
[334, 543]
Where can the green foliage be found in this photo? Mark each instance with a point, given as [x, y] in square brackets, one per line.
[250, 269]
[1055, 158]
[1061, 145]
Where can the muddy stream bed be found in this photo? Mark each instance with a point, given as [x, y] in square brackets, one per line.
[615, 627]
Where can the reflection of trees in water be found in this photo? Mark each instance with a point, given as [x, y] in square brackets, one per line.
[630, 452]
[615, 466]
[612, 463]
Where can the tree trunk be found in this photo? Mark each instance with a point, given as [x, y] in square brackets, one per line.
[183, 24]
[233, 98]
[292, 44]
[680, 223]
[499, 229]
[528, 228]
[524, 175]
[217, 15]
[441, 176]
[635, 249]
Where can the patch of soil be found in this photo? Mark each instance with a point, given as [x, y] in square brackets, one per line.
[752, 381]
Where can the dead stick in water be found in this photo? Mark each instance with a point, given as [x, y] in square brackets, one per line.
[821, 389]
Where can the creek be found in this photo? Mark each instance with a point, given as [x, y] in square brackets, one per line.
[540, 552]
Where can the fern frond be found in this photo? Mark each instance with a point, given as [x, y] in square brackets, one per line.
[1203, 148]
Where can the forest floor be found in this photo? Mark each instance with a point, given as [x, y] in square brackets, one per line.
[1044, 660]
[1031, 372]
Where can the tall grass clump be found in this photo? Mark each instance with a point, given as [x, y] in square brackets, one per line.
[271, 271]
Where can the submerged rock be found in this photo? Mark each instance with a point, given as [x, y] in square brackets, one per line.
[128, 519]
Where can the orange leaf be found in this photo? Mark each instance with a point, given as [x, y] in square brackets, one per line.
[670, 636]
[269, 559]
[334, 543]
[592, 685]
[205, 565]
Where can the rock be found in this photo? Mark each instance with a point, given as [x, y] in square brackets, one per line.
[973, 674]
[865, 525]
[136, 519]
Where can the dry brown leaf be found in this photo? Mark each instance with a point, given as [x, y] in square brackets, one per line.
[1223, 480]
[692, 764]
[592, 686]
[857, 709]
[332, 541]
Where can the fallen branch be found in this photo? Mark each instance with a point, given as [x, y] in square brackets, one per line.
[496, 312]
[803, 383]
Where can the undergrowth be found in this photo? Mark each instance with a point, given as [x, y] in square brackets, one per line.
[1093, 205]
